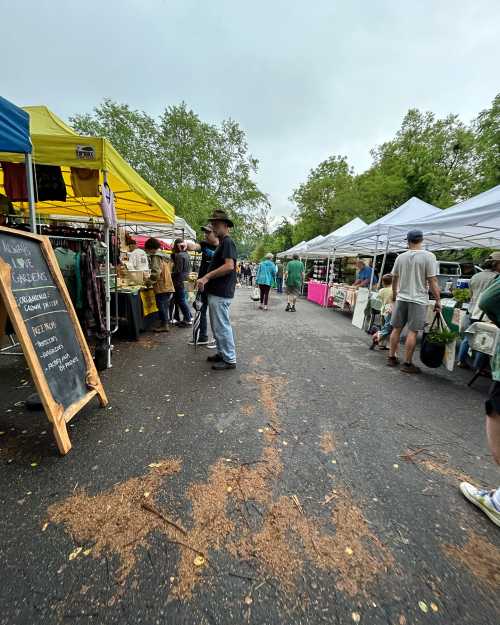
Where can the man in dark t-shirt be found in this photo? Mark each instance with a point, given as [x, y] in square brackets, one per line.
[219, 283]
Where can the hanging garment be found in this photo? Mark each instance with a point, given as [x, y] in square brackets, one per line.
[49, 184]
[66, 261]
[108, 205]
[85, 182]
[14, 181]
[94, 292]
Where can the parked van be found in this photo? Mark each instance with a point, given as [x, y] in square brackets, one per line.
[452, 275]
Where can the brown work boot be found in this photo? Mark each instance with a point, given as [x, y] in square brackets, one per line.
[409, 367]
[392, 361]
[162, 328]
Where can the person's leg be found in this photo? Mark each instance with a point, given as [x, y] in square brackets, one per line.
[489, 501]
[398, 320]
[463, 352]
[480, 361]
[267, 288]
[261, 291]
[162, 303]
[203, 319]
[410, 344]
[181, 302]
[221, 326]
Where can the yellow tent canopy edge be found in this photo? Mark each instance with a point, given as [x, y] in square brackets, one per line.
[55, 143]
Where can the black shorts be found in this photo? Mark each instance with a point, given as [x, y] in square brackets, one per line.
[493, 402]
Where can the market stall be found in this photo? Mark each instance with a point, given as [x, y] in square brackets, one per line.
[81, 177]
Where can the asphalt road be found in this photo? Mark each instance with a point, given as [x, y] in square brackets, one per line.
[311, 485]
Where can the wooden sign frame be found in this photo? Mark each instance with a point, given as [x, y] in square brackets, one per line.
[55, 412]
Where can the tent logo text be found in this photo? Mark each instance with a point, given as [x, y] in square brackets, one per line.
[85, 152]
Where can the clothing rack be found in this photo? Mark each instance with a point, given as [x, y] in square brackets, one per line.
[20, 220]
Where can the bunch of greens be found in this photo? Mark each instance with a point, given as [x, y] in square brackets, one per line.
[461, 295]
[443, 336]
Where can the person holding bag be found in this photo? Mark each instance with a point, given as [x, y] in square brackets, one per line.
[414, 272]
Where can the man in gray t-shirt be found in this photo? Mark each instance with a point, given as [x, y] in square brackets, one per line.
[414, 272]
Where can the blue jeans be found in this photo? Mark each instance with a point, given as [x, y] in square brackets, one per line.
[221, 326]
[279, 284]
[203, 318]
[181, 301]
[387, 327]
[163, 305]
[480, 359]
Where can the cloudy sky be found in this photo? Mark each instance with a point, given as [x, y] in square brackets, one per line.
[304, 79]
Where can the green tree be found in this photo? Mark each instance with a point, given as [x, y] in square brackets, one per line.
[487, 147]
[195, 165]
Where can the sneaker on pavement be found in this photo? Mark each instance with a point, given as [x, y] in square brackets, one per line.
[211, 344]
[483, 500]
[292, 309]
[215, 358]
[409, 367]
[199, 342]
[287, 309]
[392, 361]
[223, 365]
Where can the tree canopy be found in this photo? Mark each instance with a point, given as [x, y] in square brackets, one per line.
[195, 165]
[439, 160]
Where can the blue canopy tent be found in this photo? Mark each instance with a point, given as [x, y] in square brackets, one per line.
[15, 137]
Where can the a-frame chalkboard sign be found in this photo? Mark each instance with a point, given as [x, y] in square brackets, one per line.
[33, 292]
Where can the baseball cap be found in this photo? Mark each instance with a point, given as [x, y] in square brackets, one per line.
[494, 256]
[207, 228]
[414, 236]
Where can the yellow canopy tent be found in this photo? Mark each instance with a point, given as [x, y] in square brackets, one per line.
[55, 143]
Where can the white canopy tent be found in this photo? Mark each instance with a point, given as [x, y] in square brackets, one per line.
[292, 250]
[471, 223]
[179, 229]
[323, 248]
[375, 237]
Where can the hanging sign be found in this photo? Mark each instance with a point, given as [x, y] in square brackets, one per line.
[35, 296]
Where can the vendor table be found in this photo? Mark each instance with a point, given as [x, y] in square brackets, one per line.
[317, 292]
[131, 318]
[343, 296]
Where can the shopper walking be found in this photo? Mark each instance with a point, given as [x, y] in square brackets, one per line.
[219, 283]
[478, 283]
[160, 279]
[294, 277]
[279, 276]
[488, 501]
[180, 273]
[207, 248]
[266, 274]
[414, 272]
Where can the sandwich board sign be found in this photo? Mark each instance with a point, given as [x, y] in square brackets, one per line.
[35, 297]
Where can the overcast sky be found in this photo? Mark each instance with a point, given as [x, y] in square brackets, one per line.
[304, 79]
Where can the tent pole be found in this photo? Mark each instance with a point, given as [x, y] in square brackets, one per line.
[383, 262]
[325, 299]
[107, 283]
[374, 263]
[28, 165]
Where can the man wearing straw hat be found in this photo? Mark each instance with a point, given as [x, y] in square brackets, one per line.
[220, 283]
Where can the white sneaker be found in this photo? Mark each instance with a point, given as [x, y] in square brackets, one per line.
[483, 500]
[211, 344]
